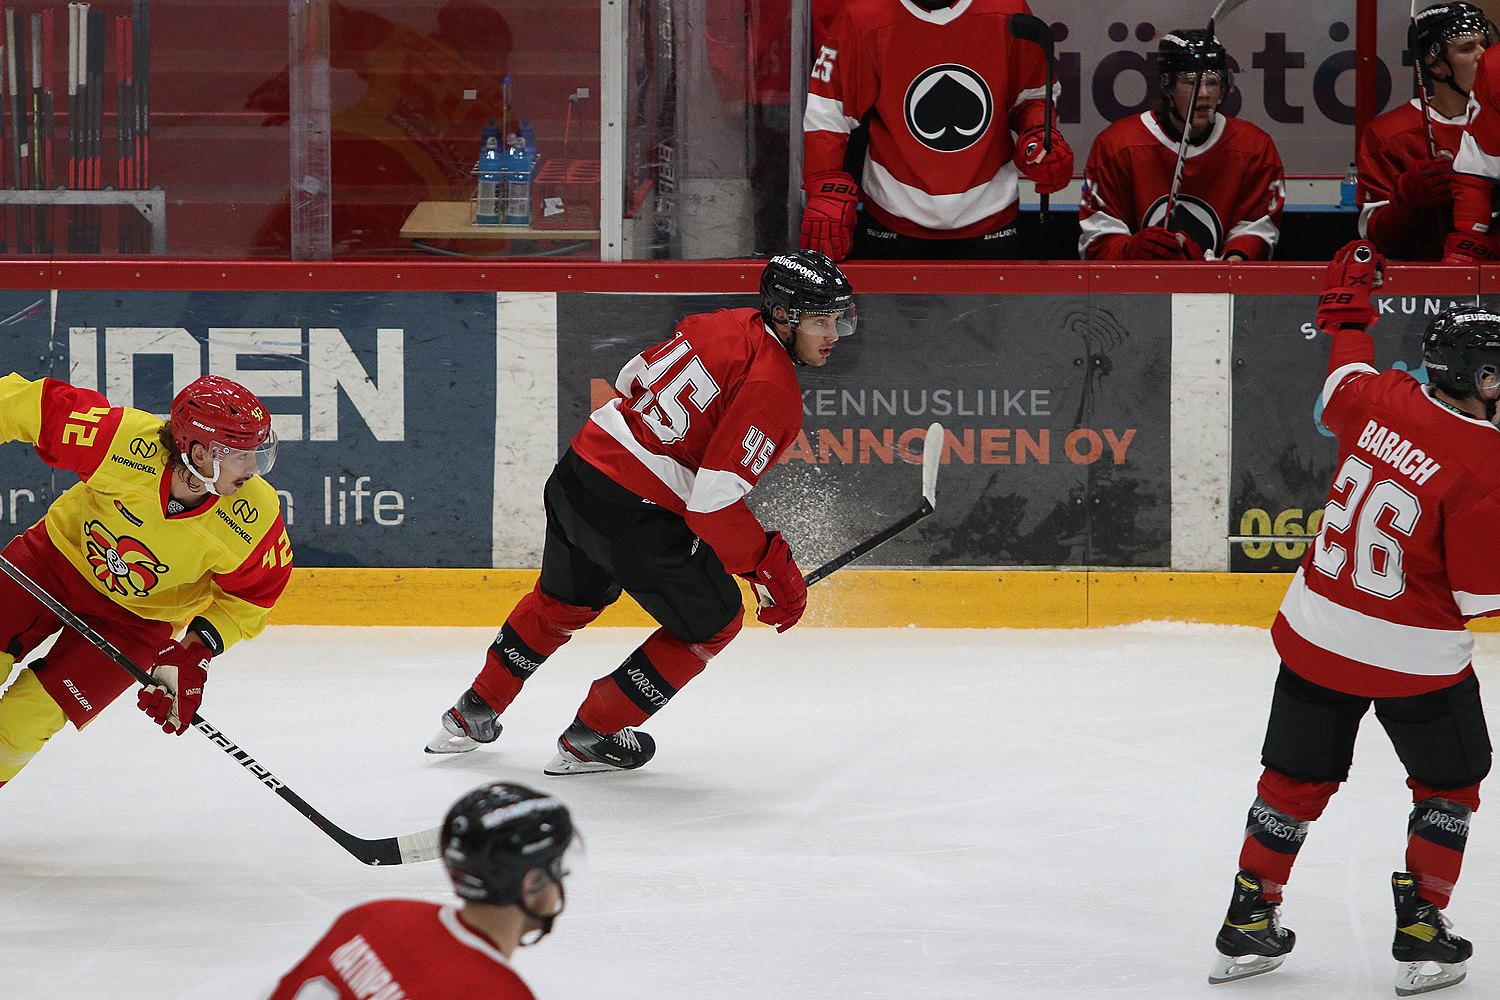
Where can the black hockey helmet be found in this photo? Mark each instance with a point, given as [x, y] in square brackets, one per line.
[1436, 25]
[806, 281]
[1191, 50]
[496, 834]
[1462, 351]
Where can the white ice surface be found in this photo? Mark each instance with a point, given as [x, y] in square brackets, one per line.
[832, 814]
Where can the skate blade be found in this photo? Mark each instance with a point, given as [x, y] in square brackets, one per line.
[1413, 978]
[445, 742]
[566, 763]
[1228, 970]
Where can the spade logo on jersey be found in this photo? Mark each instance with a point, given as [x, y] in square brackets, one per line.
[948, 107]
[1192, 217]
[122, 565]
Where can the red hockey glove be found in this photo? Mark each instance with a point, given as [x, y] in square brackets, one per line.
[180, 673]
[1157, 243]
[1050, 172]
[1426, 185]
[1463, 247]
[828, 219]
[778, 585]
[1355, 271]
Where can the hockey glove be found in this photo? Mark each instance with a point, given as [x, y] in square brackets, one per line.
[1463, 247]
[1157, 243]
[778, 585]
[180, 673]
[828, 219]
[1355, 272]
[1426, 185]
[1049, 171]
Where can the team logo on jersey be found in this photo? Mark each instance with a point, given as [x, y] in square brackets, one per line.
[122, 565]
[126, 514]
[1193, 217]
[141, 448]
[245, 512]
[948, 107]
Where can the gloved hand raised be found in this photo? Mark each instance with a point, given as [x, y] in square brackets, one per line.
[1158, 243]
[1049, 171]
[1355, 272]
[180, 673]
[828, 219]
[778, 585]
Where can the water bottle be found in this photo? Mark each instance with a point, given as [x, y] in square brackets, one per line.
[489, 177]
[1349, 188]
[517, 180]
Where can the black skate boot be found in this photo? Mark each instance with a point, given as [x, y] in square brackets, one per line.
[1431, 955]
[467, 724]
[1252, 940]
[580, 750]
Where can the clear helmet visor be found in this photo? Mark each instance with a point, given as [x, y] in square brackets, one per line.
[257, 461]
[843, 325]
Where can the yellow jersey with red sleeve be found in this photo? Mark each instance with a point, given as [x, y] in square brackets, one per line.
[224, 562]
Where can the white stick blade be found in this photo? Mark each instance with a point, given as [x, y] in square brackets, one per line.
[420, 846]
[932, 457]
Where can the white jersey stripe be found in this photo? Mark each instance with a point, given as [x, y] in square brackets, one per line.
[1337, 376]
[1473, 160]
[1474, 605]
[448, 916]
[942, 211]
[824, 114]
[716, 490]
[1406, 649]
[674, 475]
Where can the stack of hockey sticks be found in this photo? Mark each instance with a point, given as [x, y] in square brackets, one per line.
[403, 850]
[85, 121]
[133, 123]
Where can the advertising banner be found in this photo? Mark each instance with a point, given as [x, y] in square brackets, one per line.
[384, 404]
[1282, 459]
[1057, 419]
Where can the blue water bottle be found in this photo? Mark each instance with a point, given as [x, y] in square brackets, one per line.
[489, 176]
[517, 179]
[1349, 188]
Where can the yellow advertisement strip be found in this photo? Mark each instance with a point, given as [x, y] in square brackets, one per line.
[851, 598]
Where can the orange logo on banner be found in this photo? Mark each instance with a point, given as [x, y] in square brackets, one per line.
[123, 565]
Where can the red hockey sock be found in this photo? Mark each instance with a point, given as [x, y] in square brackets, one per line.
[1277, 826]
[536, 628]
[649, 677]
[1436, 836]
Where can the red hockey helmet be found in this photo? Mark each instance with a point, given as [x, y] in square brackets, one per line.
[224, 417]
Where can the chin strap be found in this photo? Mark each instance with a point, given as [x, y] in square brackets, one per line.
[208, 484]
[532, 937]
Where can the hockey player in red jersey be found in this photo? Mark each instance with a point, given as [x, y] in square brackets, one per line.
[506, 848]
[1406, 163]
[650, 498]
[144, 544]
[1375, 615]
[955, 117]
[1476, 172]
[1230, 199]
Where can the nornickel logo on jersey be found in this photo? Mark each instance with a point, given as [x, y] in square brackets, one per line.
[141, 448]
[948, 107]
[245, 512]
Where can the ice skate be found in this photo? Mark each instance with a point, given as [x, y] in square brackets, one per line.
[1431, 956]
[580, 750]
[1252, 941]
[466, 725]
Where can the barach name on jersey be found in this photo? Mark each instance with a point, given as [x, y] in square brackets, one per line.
[1397, 452]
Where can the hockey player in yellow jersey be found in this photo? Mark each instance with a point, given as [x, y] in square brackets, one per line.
[170, 527]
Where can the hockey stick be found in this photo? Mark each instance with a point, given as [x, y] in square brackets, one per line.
[1030, 28]
[1221, 11]
[1417, 59]
[403, 850]
[932, 456]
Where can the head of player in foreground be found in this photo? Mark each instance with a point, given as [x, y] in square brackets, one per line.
[1461, 349]
[1183, 55]
[221, 438]
[809, 303]
[508, 849]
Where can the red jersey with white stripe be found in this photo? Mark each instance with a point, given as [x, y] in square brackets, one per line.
[945, 90]
[1391, 144]
[402, 949]
[1232, 188]
[1408, 550]
[1478, 159]
[704, 415]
